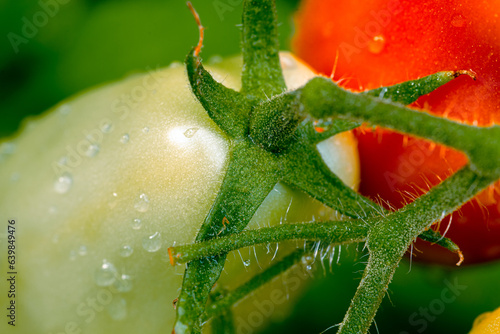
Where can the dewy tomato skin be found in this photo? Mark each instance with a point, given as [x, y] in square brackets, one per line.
[103, 183]
[374, 43]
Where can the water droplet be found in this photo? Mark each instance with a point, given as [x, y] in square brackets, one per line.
[125, 138]
[189, 133]
[114, 201]
[307, 260]
[63, 183]
[106, 127]
[124, 283]
[145, 129]
[92, 150]
[55, 238]
[377, 44]
[117, 309]
[152, 243]
[82, 251]
[382, 92]
[52, 210]
[64, 109]
[126, 251]
[72, 255]
[142, 203]
[136, 224]
[246, 263]
[106, 274]
[63, 160]
[458, 21]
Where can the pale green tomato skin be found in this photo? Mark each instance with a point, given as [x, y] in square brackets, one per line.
[78, 179]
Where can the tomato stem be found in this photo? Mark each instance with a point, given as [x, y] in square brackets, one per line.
[262, 76]
[334, 232]
[322, 98]
[217, 308]
[388, 241]
[273, 139]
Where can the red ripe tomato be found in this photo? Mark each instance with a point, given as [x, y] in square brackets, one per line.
[369, 43]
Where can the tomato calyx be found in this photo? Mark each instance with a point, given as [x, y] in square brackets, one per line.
[255, 164]
[274, 139]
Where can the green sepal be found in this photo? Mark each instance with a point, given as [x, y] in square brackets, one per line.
[225, 106]
[322, 98]
[437, 238]
[306, 170]
[331, 128]
[199, 277]
[389, 240]
[409, 91]
[251, 175]
[223, 322]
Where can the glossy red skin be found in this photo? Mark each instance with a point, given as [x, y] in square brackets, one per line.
[371, 43]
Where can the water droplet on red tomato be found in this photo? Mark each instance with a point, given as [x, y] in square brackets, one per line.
[458, 21]
[377, 44]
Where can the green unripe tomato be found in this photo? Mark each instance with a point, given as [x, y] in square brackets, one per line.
[102, 184]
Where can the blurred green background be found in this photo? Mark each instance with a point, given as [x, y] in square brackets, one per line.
[54, 48]
[51, 49]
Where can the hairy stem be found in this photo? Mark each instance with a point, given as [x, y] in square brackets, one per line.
[389, 239]
[322, 98]
[218, 307]
[339, 232]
